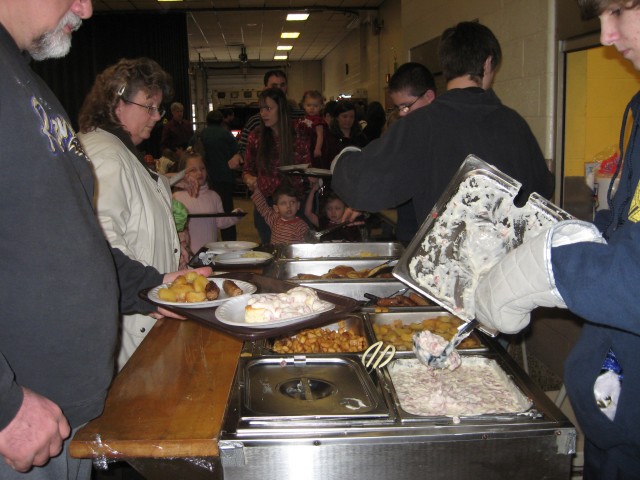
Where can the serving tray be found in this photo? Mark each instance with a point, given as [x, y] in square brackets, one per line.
[207, 316]
[472, 226]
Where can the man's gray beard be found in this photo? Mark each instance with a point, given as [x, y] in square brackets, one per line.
[56, 43]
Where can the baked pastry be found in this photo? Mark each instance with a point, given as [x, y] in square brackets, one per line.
[271, 307]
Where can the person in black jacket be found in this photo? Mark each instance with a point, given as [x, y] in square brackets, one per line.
[419, 154]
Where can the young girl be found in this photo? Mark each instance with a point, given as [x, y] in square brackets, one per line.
[312, 105]
[331, 211]
[202, 230]
[278, 142]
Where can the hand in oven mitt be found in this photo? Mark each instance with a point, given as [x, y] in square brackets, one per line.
[524, 280]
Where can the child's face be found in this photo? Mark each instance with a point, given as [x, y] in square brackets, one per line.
[196, 169]
[335, 210]
[286, 207]
[312, 106]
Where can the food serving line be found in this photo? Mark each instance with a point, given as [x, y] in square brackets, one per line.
[211, 399]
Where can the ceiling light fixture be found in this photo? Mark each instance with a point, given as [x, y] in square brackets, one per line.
[297, 17]
[289, 34]
[279, 57]
[284, 47]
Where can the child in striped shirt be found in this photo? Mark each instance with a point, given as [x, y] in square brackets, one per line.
[286, 226]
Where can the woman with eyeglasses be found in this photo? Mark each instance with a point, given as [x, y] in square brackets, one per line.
[133, 203]
[278, 142]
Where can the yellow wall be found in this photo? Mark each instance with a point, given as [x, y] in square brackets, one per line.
[600, 83]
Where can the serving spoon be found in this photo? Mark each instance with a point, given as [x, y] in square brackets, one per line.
[440, 361]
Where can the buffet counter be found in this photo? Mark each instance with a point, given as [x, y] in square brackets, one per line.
[168, 402]
[194, 402]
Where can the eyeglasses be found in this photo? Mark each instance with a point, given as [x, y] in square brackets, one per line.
[406, 108]
[151, 110]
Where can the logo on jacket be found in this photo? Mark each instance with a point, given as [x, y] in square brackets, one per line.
[60, 133]
[634, 210]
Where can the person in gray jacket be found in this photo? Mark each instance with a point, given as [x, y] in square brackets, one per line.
[61, 285]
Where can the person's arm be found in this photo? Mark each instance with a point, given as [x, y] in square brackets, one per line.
[116, 190]
[524, 278]
[263, 207]
[596, 280]
[377, 176]
[252, 123]
[32, 427]
[216, 207]
[249, 173]
[133, 276]
[308, 205]
[236, 160]
[35, 434]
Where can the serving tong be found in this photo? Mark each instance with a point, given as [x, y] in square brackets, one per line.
[377, 357]
[373, 299]
[316, 236]
[439, 361]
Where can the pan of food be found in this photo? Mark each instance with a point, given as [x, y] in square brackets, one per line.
[473, 225]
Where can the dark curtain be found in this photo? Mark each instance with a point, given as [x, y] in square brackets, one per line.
[104, 39]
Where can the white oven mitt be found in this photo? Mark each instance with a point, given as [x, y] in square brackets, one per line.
[523, 279]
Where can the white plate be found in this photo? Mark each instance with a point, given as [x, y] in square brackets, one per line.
[230, 246]
[247, 288]
[299, 166]
[232, 313]
[250, 257]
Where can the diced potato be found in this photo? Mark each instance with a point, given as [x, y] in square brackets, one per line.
[193, 297]
[200, 283]
[181, 291]
[167, 295]
[191, 276]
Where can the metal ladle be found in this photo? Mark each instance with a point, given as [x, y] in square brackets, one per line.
[439, 361]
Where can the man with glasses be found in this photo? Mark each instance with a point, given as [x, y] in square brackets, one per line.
[419, 154]
[411, 87]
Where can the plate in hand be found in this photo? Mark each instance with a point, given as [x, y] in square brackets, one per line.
[246, 287]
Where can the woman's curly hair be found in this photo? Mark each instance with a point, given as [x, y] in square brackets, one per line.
[121, 81]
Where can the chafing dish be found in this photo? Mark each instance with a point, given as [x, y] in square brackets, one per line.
[290, 269]
[318, 251]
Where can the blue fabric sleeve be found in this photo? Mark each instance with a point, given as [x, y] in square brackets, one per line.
[599, 281]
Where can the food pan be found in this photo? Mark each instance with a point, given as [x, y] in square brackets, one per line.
[472, 226]
[397, 328]
[357, 289]
[290, 269]
[290, 389]
[300, 251]
[355, 340]
[479, 389]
